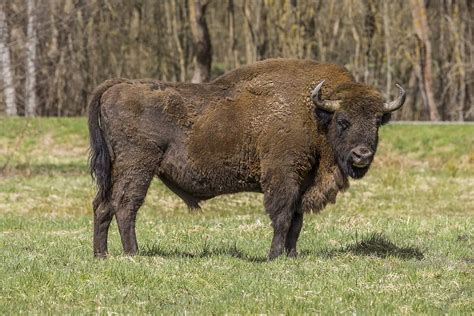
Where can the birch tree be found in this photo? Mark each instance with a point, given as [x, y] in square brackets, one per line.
[7, 76]
[31, 41]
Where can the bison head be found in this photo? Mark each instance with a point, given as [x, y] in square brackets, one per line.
[352, 117]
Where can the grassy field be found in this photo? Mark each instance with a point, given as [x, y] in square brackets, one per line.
[399, 241]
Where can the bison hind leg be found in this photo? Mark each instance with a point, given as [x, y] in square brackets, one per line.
[128, 194]
[132, 173]
[103, 214]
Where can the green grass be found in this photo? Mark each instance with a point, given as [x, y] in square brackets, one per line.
[398, 241]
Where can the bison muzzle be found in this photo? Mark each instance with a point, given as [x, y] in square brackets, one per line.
[294, 130]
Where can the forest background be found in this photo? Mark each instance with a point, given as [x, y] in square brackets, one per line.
[54, 53]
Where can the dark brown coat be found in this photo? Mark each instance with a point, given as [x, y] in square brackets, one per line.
[255, 128]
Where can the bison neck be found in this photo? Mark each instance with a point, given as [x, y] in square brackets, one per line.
[327, 181]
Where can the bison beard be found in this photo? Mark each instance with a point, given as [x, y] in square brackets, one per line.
[266, 127]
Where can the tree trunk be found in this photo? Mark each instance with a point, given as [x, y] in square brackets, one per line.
[457, 108]
[30, 89]
[84, 16]
[262, 31]
[420, 23]
[409, 110]
[357, 45]
[256, 32]
[175, 31]
[234, 59]
[201, 41]
[179, 44]
[250, 41]
[8, 86]
[388, 54]
[370, 28]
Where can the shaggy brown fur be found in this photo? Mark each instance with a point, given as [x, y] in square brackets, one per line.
[252, 129]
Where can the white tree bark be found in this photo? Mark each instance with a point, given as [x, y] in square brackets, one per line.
[7, 76]
[30, 89]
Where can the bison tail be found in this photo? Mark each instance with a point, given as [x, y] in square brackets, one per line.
[100, 163]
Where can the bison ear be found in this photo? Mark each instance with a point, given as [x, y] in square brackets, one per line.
[324, 117]
[386, 118]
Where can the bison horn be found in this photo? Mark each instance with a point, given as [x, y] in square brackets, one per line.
[328, 105]
[397, 103]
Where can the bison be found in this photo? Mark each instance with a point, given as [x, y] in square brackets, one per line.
[294, 130]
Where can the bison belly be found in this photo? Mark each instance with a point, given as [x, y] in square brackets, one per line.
[188, 174]
[216, 157]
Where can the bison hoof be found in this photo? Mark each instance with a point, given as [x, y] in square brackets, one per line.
[292, 253]
[273, 255]
[100, 255]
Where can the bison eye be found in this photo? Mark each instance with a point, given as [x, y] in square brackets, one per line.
[343, 124]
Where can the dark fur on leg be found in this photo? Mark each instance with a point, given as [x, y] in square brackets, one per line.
[280, 202]
[293, 234]
[103, 214]
[131, 193]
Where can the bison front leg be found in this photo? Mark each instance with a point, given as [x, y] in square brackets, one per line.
[280, 201]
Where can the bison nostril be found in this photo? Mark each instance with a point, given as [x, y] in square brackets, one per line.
[364, 151]
[361, 154]
[355, 154]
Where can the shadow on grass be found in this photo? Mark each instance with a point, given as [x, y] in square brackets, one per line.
[207, 251]
[375, 244]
